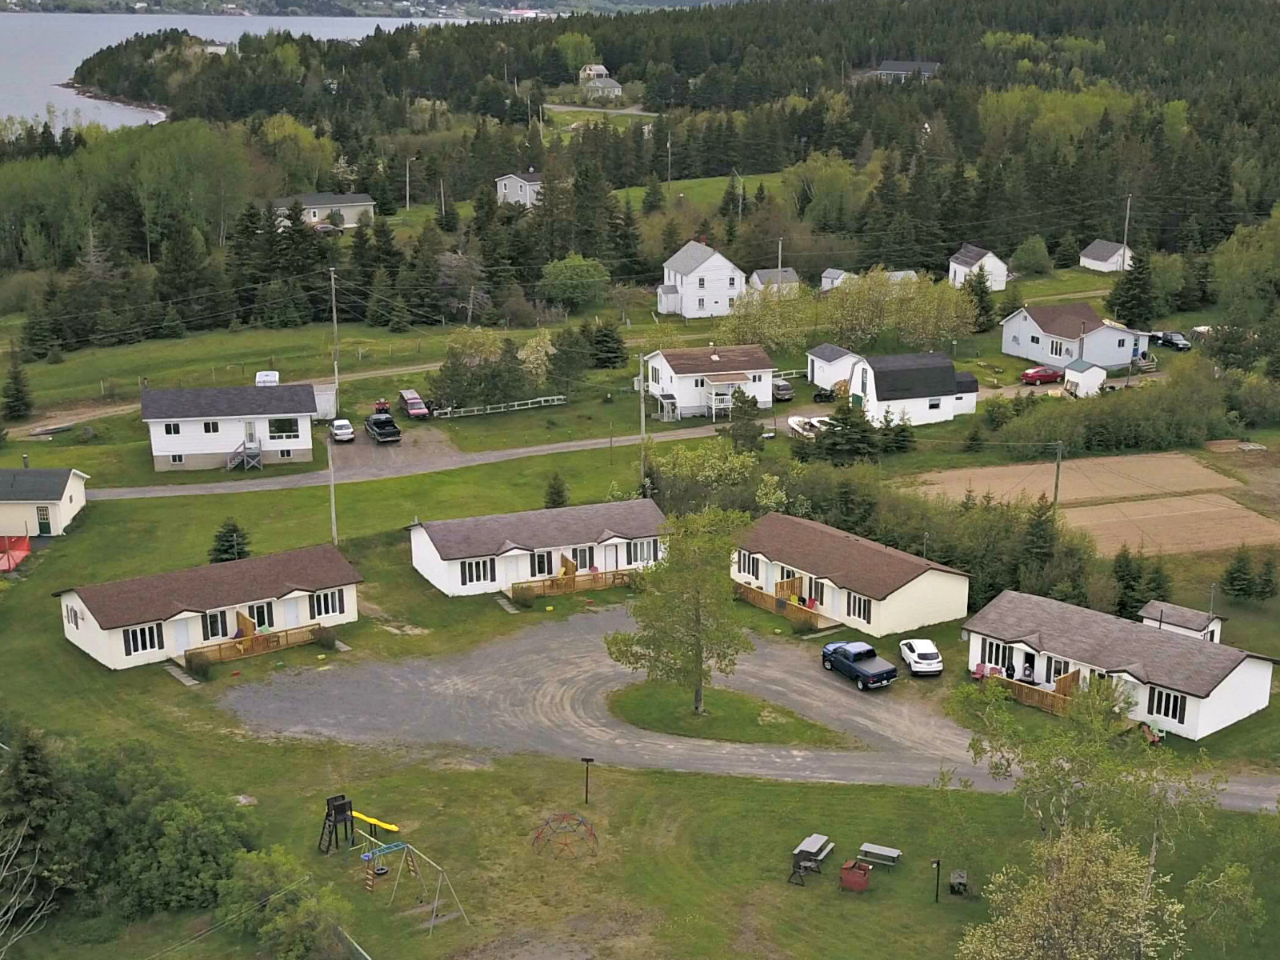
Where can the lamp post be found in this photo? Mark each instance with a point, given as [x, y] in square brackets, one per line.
[937, 878]
[586, 782]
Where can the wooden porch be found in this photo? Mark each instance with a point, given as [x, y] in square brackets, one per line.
[251, 643]
[568, 581]
[1056, 701]
[782, 605]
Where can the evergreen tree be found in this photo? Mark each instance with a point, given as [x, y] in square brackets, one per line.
[979, 290]
[448, 220]
[557, 494]
[54, 354]
[1009, 303]
[625, 240]
[379, 300]
[1068, 253]
[1132, 299]
[419, 280]
[17, 392]
[1157, 584]
[230, 542]
[172, 328]
[670, 239]
[761, 195]
[729, 199]
[849, 438]
[1040, 537]
[386, 254]
[608, 349]
[744, 430]
[36, 795]
[1238, 580]
[400, 321]
[363, 257]
[183, 272]
[903, 435]
[654, 199]
[1126, 570]
[973, 439]
[1264, 585]
[572, 356]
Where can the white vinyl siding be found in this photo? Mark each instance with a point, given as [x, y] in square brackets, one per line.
[327, 603]
[857, 608]
[143, 638]
[1166, 704]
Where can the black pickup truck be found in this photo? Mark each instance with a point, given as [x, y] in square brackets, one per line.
[858, 662]
[382, 428]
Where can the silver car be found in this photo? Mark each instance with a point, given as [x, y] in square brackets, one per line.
[341, 431]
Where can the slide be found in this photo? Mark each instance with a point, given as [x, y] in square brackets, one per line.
[375, 822]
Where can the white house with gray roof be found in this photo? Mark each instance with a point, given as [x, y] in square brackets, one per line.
[522, 188]
[829, 365]
[899, 71]
[40, 502]
[1184, 620]
[489, 554]
[783, 282]
[832, 278]
[605, 87]
[1104, 256]
[228, 427]
[345, 208]
[1180, 684]
[970, 259]
[698, 281]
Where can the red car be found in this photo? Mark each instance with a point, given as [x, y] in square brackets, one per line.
[1038, 375]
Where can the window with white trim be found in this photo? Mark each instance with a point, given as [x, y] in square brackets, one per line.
[177, 458]
[788, 574]
[142, 639]
[327, 603]
[285, 454]
[817, 590]
[540, 564]
[1121, 342]
[584, 558]
[172, 429]
[283, 428]
[757, 378]
[859, 608]
[699, 383]
[1035, 339]
[1055, 668]
[262, 615]
[479, 571]
[211, 426]
[1212, 636]
[996, 653]
[748, 564]
[1055, 348]
[732, 282]
[1167, 704]
[653, 373]
[73, 616]
[642, 551]
[935, 403]
[215, 623]
[702, 283]
[504, 188]
[731, 303]
[702, 303]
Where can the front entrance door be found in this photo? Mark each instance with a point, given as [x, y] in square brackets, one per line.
[1028, 660]
[611, 556]
[249, 436]
[42, 518]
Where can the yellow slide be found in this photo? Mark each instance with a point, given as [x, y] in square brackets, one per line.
[375, 822]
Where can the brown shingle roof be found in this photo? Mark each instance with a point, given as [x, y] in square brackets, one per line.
[1179, 663]
[1064, 319]
[123, 603]
[852, 562]
[544, 529]
[686, 360]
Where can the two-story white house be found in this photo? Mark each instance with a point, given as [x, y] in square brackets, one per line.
[1180, 684]
[40, 502]
[829, 365]
[1053, 335]
[698, 281]
[700, 381]
[858, 582]
[1105, 256]
[971, 258]
[127, 623]
[522, 188]
[345, 208]
[592, 71]
[921, 387]
[206, 427]
[489, 554]
[784, 282]
[1183, 620]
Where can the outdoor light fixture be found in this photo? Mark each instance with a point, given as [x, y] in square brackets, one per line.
[937, 878]
[586, 783]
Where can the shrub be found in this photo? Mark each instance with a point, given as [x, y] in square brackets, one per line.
[326, 638]
[1032, 256]
[199, 666]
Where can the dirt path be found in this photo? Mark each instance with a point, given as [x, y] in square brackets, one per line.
[1077, 295]
[554, 703]
[635, 110]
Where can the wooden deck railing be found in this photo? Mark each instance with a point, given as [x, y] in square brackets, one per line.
[780, 605]
[1056, 701]
[794, 587]
[254, 645]
[574, 583]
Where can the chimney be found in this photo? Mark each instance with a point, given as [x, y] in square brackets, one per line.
[714, 356]
[26, 461]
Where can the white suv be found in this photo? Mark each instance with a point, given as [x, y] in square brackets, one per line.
[920, 656]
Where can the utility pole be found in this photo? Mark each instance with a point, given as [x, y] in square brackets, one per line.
[741, 190]
[643, 387]
[471, 296]
[406, 182]
[333, 503]
[442, 198]
[779, 262]
[1128, 201]
[668, 166]
[333, 302]
[1057, 470]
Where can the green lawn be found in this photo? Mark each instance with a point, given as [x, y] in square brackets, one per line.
[701, 192]
[728, 715]
[561, 120]
[1069, 284]
[116, 452]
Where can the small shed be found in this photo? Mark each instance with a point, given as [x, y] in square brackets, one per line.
[1084, 379]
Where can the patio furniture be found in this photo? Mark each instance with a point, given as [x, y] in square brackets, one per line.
[807, 857]
[855, 876]
[979, 672]
[959, 883]
[884, 856]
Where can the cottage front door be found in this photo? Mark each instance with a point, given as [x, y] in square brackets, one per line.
[611, 556]
[250, 438]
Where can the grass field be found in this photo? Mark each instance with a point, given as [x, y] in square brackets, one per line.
[703, 193]
[1075, 283]
[729, 715]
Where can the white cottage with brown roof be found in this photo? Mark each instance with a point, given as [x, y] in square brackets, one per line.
[127, 623]
[860, 583]
[700, 381]
[1053, 335]
[491, 553]
[1178, 683]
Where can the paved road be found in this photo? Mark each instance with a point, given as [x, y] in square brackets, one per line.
[554, 703]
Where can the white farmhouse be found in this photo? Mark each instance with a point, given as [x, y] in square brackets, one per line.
[592, 71]
[127, 623]
[40, 502]
[969, 259]
[921, 387]
[700, 381]
[207, 427]
[602, 87]
[1183, 620]
[1178, 684]
[522, 188]
[829, 365]
[783, 282]
[858, 582]
[699, 282]
[1104, 256]
[345, 208]
[491, 554]
[1055, 334]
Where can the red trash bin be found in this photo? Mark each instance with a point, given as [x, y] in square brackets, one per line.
[855, 876]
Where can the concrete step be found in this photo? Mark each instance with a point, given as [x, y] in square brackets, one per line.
[181, 675]
[506, 604]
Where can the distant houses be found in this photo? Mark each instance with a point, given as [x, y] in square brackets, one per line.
[698, 281]
[784, 282]
[592, 71]
[1104, 256]
[605, 87]
[344, 208]
[521, 188]
[899, 71]
[1054, 335]
[832, 278]
[971, 258]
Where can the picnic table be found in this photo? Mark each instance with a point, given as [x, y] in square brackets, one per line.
[808, 855]
[884, 856]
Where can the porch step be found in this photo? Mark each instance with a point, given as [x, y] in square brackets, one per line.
[341, 647]
[506, 604]
[181, 675]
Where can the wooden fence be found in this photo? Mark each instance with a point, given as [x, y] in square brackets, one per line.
[255, 645]
[1056, 701]
[792, 587]
[527, 590]
[451, 412]
[780, 605]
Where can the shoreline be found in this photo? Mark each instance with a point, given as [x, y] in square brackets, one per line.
[244, 15]
[93, 93]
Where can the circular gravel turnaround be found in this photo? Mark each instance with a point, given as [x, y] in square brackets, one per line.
[543, 689]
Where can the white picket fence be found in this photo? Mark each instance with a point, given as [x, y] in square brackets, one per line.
[452, 412]
[801, 374]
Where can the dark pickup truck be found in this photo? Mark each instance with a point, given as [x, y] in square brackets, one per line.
[858, 662]
[382, 428]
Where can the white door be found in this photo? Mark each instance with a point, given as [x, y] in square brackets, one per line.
[249, 436]
[610, 556]
[514, 566]
[292, 615]
[180, 637]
